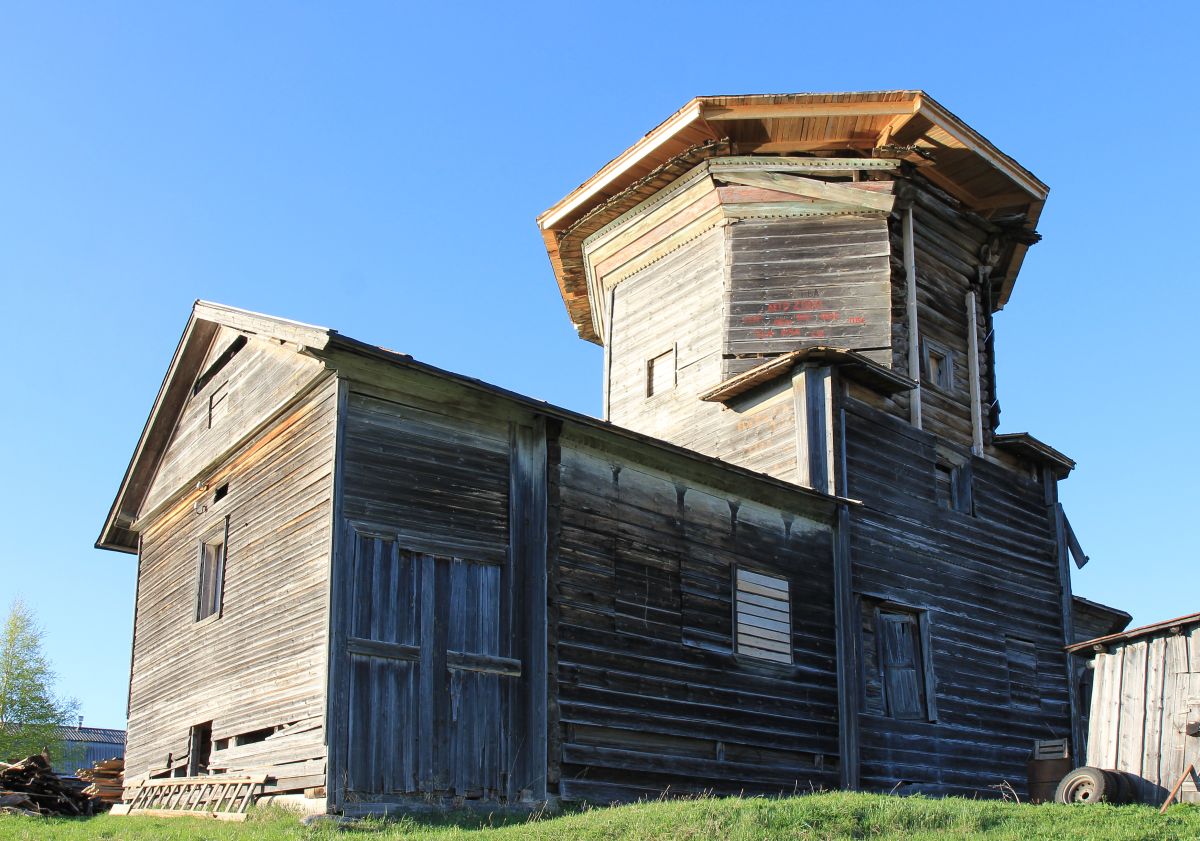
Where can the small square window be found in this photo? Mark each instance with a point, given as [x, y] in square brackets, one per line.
[939, 366]
[212, 577]
[660, 373]
[764, 617]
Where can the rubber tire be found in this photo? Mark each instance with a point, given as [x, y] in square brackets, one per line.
[1124, 792]
[1085, 785]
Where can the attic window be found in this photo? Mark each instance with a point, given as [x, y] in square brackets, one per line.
[764, 617]
[220, 493]
[660, 373]
[939, 366]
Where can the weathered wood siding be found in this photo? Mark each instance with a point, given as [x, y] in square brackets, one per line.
[988, 587]
[649, 694]
[1145, 692]
[947, 247]
[438, 658]
[804, 282]
[260, 664]
[253, 384]
[673, 306]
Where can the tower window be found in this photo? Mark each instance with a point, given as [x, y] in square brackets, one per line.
[660, 373]
[212, 575]
[939, 366]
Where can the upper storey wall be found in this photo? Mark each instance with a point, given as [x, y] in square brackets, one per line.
[713, 277]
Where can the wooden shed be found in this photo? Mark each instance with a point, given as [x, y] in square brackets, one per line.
[1145, 705]
[796, 552]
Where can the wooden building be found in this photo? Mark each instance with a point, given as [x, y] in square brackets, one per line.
[796, 552]
[1145, 705]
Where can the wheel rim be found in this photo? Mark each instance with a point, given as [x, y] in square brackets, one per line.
[1082, 790]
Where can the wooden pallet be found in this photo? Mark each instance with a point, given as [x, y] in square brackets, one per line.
[220, 797]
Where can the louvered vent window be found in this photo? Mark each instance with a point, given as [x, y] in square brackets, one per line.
[764, 617]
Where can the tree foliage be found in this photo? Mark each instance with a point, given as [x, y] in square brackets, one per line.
[30, 712]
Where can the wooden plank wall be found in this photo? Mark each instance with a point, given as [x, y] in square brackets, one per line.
[803, 282]
[463, 492]
[253, 384]
[673, 305]
[947, 247]
[260, 664]
[1144, 694]
[649, 694]
[979, 578]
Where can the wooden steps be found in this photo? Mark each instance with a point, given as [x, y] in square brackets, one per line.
[221, 797]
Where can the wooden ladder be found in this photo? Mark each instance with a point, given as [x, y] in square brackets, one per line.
[221, 797]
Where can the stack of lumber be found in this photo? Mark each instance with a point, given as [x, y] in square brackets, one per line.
[30, 787]
[107, 780]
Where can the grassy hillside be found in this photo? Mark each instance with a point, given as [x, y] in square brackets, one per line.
[818, 816]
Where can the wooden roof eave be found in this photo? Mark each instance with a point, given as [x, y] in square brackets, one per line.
[202, 327]
[852, 365]
[1135, 633]
[1025, 445]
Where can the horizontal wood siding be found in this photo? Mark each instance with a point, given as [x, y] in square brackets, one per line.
[1145, 692]
[649, 693]
[260, 664]
[798, 283]
[947, 245]
[672, 307]
[976, 579]
[250, 387]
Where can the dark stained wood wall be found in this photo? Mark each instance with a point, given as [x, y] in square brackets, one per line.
[980, 579]
[649, 694]
[259, 665]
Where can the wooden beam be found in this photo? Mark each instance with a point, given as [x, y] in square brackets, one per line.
[813, 189]
[860, 141]
[973, 373]
[847, 652]
[893, 127]
[754, 163]
[767, 111]
[910, 297]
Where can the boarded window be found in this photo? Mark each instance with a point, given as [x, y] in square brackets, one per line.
[894, 662]
[660, 373]
[955, 487]
[764, 620]
[1022, 672]
[218, 404]
[212, 577]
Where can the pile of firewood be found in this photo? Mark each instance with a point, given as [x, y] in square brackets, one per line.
[107, 778]
[31, 788]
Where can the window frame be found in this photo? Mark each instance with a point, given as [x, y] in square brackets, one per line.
[873, 605]
[929, 349]
[673, 353]
[218, 536]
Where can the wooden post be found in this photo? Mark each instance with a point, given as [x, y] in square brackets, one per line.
[973, 368]
[1058, 520]
[527, 526]
[914, 338]
[337, 690]
[812, 395]
[608, 334]
[846, 632]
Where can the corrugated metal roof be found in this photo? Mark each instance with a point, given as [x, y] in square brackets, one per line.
[101, 735]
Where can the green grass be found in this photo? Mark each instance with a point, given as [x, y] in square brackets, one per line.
[817, 816]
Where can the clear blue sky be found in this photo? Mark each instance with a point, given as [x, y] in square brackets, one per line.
[377, 168]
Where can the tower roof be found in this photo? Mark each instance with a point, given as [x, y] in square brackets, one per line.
[906, 124]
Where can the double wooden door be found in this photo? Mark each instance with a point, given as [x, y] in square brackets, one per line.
[428, 687]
